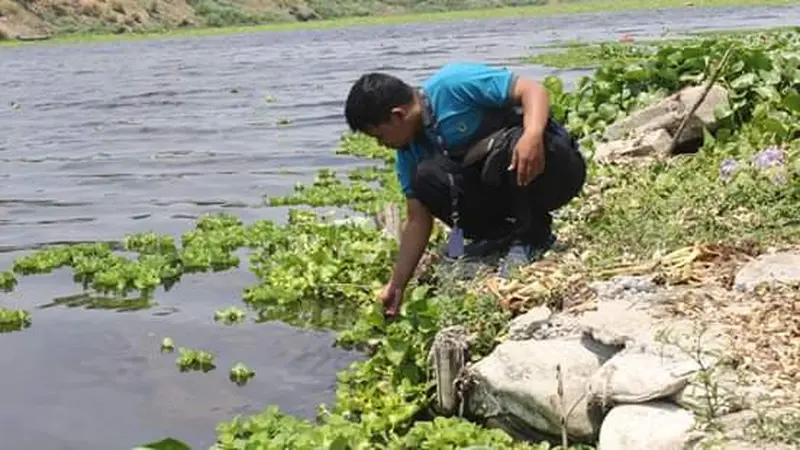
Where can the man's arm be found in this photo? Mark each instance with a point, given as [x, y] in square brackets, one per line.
[535, 105]
[414, 239]
[485, 86]
[528, 157]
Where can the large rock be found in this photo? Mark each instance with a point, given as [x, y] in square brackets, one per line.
[638, 377]
[649, 131]
[769, 269]
[648, 426]
[668, 113]
[516, 387]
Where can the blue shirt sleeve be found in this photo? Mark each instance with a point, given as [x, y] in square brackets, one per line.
[482, 85]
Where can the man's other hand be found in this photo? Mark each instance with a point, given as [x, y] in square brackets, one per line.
[528, 158]
[391, 297]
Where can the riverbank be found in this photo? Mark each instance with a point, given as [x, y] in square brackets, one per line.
[581, 55]
[115, 20]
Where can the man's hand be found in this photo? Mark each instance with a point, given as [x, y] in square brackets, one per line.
[391, 297]
[528, 158]
[414, 239]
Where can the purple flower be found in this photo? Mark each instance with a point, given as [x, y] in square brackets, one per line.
[727, 168]
[769, 157]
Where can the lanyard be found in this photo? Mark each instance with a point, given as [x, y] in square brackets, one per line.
[430, 125]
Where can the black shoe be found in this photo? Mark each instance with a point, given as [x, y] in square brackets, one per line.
[521, 254]
[480, 248]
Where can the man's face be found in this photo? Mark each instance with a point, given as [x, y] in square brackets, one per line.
[397, 132]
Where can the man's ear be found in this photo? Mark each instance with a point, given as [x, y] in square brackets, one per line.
[399, 112]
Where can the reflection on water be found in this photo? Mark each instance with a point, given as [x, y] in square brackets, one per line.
[90, 301]
[107, 139]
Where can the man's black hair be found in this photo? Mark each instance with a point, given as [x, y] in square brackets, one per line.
[372, 98]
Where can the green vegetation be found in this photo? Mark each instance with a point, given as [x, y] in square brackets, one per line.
[14, 320]
[781, 428]
[241, 374]
[167, 345]
[190, 360]
[742, 187]
[202, 17]
[582, 56]
[229, 316]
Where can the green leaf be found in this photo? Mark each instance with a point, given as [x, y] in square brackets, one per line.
[165, 444]
[339, 443]
[744, 81]
[758, 60]
[608, 112]
[722, 111]
[559, 112]
[554, 85]
[635, 72]
[768, 93]
[775, 125]
[396, 352]
[770, 77]
[792, 101]
[736, 67]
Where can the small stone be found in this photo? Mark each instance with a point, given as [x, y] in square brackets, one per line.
[648, 426]
[653, 143]
[622, 286]
[525, 326]
[768, 269]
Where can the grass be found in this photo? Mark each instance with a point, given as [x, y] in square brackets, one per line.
[586, 55]
[575, 7]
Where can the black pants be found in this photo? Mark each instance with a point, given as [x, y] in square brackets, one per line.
[488, 210]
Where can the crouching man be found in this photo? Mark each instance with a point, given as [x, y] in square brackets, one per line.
[478, 149]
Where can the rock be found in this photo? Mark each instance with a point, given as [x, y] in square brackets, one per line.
[639, 377]
[628, 317]
[714, 393]
[623, 286]
[716, 96]
[769, 269]
[525, 326]
[650, 130]
[618, 323]
[664, 114]
[668, 113]
[516, 387]
[648, 426]
[654, 143]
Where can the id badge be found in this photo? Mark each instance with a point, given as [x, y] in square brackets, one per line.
[455, 243]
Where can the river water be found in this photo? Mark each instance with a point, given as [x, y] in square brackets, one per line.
[104, 139]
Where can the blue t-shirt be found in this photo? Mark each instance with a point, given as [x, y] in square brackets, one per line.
[457, 93]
